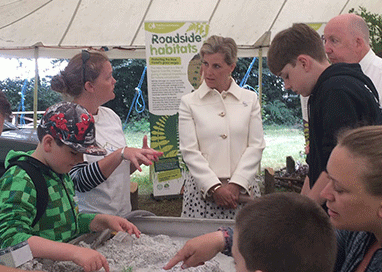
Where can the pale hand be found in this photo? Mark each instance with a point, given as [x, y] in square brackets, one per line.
[89, 259]
[144, 155]
[198, 250]
[116, 223]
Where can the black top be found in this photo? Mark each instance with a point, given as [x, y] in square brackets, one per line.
[343, 97]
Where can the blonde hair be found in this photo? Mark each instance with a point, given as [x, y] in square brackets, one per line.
[366, 143]
[218, 44]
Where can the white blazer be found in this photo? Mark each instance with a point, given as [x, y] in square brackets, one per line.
[221, 135]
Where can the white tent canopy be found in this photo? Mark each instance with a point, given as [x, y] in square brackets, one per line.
[61, 28]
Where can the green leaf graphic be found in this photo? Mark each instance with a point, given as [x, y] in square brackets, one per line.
[199, 28]
[159, 139]
[158, 128]
[157, 132]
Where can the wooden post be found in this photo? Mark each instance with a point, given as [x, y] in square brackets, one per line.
[134, 196]
[269, 180]
[290, 165]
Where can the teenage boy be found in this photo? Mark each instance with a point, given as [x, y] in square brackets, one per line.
[273, 233]
[340, 95]
[66, 132]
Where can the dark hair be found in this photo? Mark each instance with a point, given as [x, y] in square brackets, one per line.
[5, 107]
[288, 44]
[286, 232]
[218, 44]
[365, 143]
[41, 133]
[70, 82]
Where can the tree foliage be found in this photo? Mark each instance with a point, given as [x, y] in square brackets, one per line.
[13, 91]
[279, 106]
[128, 73]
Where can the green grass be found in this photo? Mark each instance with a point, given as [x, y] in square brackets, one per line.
[280, 143]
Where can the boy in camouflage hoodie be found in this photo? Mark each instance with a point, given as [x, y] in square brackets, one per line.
[66, 132]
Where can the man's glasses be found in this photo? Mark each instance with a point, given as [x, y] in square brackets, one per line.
[85, 57]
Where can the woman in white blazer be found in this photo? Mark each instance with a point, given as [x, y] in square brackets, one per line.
[221, 136]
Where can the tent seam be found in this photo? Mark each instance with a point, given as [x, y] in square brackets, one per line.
[347, 2]
[140, 24]
[278, 14]
[213, 12]
[25, 16]
[70, 23]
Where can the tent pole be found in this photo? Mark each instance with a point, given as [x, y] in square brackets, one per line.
[260, 88]
[260, 75]
[35, 88]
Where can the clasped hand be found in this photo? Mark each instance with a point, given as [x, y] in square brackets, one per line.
[227, 196]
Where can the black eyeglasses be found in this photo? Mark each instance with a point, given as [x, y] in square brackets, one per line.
[85, 57]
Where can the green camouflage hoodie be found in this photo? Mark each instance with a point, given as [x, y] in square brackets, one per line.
[61, 221]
